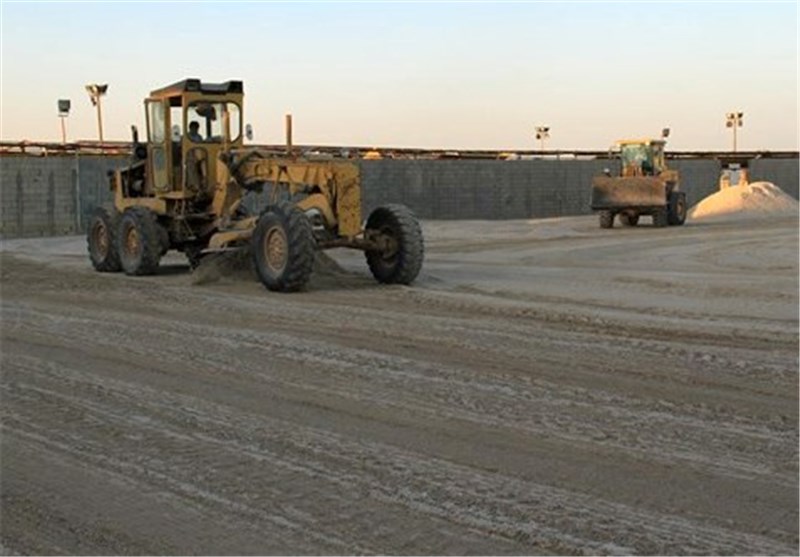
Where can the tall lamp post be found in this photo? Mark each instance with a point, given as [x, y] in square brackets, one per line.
[63, 112]
[734, 120]
[96, 91]
[542, 133]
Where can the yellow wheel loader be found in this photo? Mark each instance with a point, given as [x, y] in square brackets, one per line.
[185, 187]
[646, 187]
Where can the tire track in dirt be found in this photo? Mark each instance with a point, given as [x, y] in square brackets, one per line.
[368, 419]
[445, 392]
[436, 488]
[384, 377]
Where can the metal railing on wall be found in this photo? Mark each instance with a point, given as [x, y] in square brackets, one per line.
[117, 148]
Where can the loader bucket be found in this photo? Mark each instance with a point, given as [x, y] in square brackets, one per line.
[628, 192]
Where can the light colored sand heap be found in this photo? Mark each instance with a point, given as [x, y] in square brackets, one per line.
[758, 199]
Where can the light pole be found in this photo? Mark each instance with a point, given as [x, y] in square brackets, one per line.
[542, 133]
[734, 120]
[96, 91]
[63, 112]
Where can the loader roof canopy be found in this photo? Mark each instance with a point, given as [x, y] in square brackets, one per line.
[643, 141]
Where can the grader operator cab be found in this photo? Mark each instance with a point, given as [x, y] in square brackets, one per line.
[185, 187]
[646, 187]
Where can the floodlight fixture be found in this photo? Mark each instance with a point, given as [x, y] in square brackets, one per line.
[63, 111]
[96, 92]
[734, 120]
[542, 133]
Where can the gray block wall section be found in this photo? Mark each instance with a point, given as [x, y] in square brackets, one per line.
[51, 196]
[452, 189]
[92, 176]
[37, 197]
[699, 178]
[456, 189]
[44, 196]
[784, 173]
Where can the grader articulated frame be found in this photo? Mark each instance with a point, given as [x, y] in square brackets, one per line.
[185, 190]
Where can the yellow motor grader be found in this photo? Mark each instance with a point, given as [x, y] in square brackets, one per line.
[645, 187]
[185, 188]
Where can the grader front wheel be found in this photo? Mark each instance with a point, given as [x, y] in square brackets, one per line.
[401, 261]
[283, 248]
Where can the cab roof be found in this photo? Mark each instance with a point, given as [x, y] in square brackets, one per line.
[194, 85]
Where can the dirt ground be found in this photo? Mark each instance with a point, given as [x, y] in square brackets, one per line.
[546, 387]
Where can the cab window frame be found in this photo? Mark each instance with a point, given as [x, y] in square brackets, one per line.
[191, 115]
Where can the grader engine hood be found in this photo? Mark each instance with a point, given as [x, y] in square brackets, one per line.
[644, 191]
[333, 187]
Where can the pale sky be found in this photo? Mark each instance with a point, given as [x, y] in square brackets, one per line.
[443, 75]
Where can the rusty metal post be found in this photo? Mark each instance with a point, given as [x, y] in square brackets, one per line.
[289, 134]
[96, 91]
[99, 119]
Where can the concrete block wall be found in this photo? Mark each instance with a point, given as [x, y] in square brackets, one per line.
[784, 173]
[38, 197]
[93, 183]
[454, 189]
[51, 196]
[457, 189]
[42, 196]
[699, 178]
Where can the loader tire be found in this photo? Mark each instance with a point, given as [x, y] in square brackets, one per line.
[676, 215]
[283, 248]
[140, 241]
[606, 219]
[626, 219]
[101, 240]
[660, 218]
[402, 264]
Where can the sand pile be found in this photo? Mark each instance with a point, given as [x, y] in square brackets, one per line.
[759, 199]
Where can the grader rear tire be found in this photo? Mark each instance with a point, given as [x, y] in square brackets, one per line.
[101, 240]
[402, 264]
[140, 241]
[283, 248]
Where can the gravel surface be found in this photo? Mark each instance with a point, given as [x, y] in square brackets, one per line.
[546, 387]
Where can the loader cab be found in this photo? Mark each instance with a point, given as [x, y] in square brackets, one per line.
[642, 157]
[188, 124]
